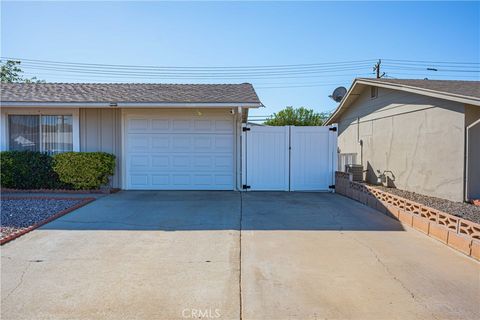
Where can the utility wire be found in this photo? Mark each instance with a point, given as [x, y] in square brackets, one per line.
[97, 65]
[355, 68]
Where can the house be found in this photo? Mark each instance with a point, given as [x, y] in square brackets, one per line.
[417, 135]
[165, 136]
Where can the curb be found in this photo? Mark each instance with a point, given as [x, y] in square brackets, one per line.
[13, 236]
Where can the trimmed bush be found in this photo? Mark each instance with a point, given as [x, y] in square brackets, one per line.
[28, 170]
[84, 170]
[70, 170]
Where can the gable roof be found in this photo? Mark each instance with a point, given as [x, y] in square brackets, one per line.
[128, 93]
[454, 90]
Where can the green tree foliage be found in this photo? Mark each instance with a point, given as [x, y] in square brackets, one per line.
[11, 72]
[297, 117]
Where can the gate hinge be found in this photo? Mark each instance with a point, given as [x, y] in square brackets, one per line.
[333, 129]
[245, 129]
[332, 186]
[245, 187]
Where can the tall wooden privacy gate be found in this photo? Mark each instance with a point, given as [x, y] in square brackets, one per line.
[289, 158]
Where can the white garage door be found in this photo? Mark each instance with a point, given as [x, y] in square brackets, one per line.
[179, 150]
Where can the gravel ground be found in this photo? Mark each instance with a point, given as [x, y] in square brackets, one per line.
[460, 209]
[17, 214]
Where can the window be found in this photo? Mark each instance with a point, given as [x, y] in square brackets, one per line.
[373, 92]
[47, 133]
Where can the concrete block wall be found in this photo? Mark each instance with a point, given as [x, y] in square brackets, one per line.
[460, 234]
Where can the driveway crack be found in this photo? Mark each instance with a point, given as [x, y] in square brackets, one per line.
[392, 275]
[18, 284]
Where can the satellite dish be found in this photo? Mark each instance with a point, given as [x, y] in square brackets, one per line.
[338, 94]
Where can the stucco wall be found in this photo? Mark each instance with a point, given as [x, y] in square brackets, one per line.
[472, 123]
[100, 130]
[417, 141]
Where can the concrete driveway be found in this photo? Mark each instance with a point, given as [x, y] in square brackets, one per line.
[183, 255]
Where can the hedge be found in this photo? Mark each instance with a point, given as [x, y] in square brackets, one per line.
[84, 170]
[28, 170]
[71, 170]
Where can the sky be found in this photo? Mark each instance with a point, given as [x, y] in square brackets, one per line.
[235, 34]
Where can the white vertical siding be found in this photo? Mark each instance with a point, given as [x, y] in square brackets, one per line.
[100, 130]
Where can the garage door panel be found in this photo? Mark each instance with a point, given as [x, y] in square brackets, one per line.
[138, 143]
[223, 143]
[182, 162]
[203, 179]
[203, 125]
[203, 162]
[160, 161]
[167, 162]
[223, 126]
[181, 180]
[139, 180]
[160, 180]
[159, 142]
[179, 152]
[155, 124]
[141, 162]
[223, 162]
[138, 125]
[223, 180]
[203, 143]
[160, 125]
[181, 143]
[182, 125]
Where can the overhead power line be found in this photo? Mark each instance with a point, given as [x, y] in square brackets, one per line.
[436, 62]
[191, 68]
[333, 70]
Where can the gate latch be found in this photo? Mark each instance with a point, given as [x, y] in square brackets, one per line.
[245, 186]
[245, 129]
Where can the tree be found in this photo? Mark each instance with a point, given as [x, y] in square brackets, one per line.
[11, 72]
[297, 117]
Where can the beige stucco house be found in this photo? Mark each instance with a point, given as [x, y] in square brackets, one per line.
[417, 135]
[164, 136]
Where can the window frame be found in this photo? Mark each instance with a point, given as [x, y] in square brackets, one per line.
[74, 112]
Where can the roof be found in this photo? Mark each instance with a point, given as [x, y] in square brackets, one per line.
[454, 90]
[128, 93]
[458, 87]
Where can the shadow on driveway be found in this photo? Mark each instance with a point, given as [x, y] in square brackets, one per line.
[224, 210]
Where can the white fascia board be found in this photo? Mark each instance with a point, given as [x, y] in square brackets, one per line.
[128, 105]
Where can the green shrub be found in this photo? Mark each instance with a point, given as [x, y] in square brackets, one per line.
[28, 170]
[70, 170]
[84, 170]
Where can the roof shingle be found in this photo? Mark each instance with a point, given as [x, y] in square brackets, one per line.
[459, 87]
[128, 93]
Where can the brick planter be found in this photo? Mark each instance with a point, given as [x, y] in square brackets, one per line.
[460, 234]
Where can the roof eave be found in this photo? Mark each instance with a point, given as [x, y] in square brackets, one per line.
[132, 104]
[426, 92]
[423, 91]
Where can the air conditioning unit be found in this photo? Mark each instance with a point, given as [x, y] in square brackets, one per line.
[356, 170]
